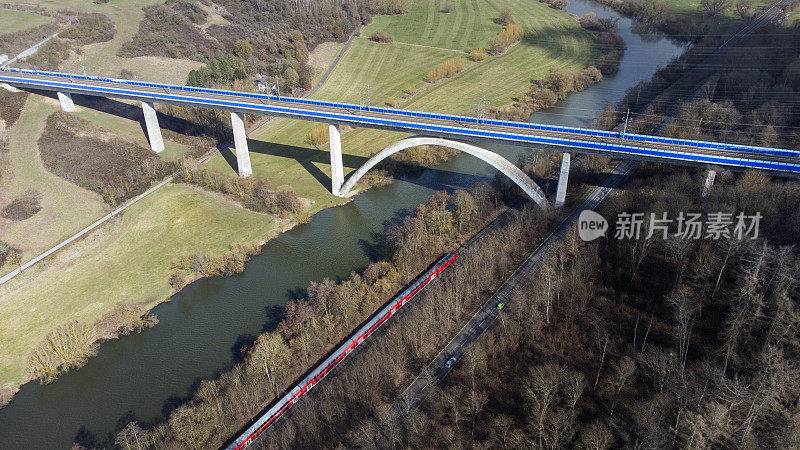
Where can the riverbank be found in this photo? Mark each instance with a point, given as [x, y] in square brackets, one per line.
[202, 326]
[84, 291]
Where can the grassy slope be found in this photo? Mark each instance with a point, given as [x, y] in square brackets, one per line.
[425, 24]
[553, 38]
[132, 258]
[101, 59]
[66, 208]
[12, 21]
[92, 277]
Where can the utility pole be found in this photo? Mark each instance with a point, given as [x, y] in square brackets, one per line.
[84, 70]
[625, 128]
[481, 109]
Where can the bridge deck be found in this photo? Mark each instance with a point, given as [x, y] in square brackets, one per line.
[633, 146]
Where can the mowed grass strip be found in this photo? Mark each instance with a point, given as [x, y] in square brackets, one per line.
[12, 20]
[469, 25]
[129, 259]
[279, 152]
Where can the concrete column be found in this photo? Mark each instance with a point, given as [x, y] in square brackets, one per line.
[563, 178]
[153, 130]
[337, 168]
[67, 104]
[240, 141]
[8, 87]
[710, 175]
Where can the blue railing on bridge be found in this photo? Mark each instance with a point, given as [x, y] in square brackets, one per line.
[451, 117]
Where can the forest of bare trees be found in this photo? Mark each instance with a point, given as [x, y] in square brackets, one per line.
[672, 344]
[329, 310]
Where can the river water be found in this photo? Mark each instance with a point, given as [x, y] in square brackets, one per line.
[145, 375]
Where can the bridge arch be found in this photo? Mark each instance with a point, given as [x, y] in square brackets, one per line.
[498, 162]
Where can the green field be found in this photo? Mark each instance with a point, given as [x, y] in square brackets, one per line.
[553, 39]
[12, 21]
[101, 58]
[132, 257]
[129, 259]
[469, 25]
[66, 207]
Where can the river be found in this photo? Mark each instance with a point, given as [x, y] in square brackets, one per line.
[145, 375]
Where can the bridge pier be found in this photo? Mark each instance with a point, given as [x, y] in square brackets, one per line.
[153, 130]
[8, 87]
[710, 175]
[563, 178]
[240, 142]
[337, 168]
[67, 105]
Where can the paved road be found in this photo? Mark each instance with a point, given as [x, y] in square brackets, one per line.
[488, 313]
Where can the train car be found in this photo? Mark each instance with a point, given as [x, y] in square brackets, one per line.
[354, 340]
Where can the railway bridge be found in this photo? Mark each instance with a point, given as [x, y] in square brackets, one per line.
[459, 132]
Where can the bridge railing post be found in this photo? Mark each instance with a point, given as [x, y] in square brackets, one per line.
[337, 168]
[240, 142]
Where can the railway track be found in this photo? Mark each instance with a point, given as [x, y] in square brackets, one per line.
[643, 147]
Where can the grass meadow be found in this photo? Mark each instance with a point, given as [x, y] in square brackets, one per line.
[423, 38]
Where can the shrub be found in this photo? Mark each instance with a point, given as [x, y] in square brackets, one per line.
[50, 55]
[409, 89]
[446, 69]
[113, 167]
[590, 21]
[510, 35]
[448, 8]
[11, 104]
[66, 347]
[318, 135]
[381, 36]
[243, 49]
[560, 81]
[556, 4]
[24, 207]
[392, 7]
[177, 280]
[391, 102]
[90, 28]
[222, 70]
[478, 54]
[505, 18]
[7, 253]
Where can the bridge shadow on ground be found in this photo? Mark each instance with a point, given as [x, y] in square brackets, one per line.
[560, 43]
[309, 158]
[130, 111]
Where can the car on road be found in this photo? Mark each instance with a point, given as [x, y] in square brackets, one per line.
[450, 362]
[501, 305]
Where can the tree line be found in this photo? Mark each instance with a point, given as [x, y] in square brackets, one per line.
[666, 343]
[316, 322]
